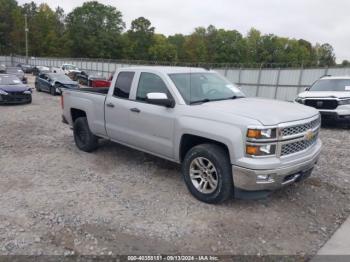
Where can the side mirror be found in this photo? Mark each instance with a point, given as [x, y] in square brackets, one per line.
[307, 89]
[160, 99]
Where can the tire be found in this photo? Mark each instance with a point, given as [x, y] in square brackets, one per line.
[84, 139]
[221, 179]
[53, 91]
[37, 88]
[30, 100]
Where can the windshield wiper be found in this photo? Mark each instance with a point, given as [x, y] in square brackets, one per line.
[206, 100]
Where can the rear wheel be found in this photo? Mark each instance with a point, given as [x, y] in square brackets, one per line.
[207, 173]
[83, 137]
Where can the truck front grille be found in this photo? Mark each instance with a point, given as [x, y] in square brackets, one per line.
[299, 129]
[329, 104]
[298, 146]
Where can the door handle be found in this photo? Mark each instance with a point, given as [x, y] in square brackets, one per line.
[135, 110]
[110, 105]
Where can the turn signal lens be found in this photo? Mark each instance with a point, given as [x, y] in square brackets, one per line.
[254, 133]
[252, 150]
[262, 133]
[261, 150]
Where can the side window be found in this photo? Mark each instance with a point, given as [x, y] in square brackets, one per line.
[150, 83]
[123, 84]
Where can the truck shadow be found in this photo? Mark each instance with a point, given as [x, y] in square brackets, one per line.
[331, 124]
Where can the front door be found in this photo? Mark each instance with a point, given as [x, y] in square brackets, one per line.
[152, 126]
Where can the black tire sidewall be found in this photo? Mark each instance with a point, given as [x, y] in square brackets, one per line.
[221, 161]
[91, 144]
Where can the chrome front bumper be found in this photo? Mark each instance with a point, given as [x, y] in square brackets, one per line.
[272, 179]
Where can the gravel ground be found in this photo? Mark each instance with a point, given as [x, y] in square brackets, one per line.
[55, 199]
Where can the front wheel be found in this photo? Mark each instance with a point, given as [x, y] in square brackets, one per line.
[208, 174]
[53, 91]
[83, 137]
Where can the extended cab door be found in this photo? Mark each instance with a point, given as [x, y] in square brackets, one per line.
[117, 107]
[151, 126]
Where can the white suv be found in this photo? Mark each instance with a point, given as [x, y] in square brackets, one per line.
[331, 96]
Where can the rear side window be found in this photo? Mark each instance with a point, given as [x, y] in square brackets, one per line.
[123, 84]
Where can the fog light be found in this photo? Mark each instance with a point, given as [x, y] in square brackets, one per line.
[263, 178]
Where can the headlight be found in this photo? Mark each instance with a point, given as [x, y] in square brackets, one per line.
[261, 133]
[261, 150]
[2, 92]
[28, 92]
[344, 102]
[300, 100]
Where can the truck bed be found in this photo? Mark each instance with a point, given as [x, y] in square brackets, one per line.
[90, 101]
[98, 90]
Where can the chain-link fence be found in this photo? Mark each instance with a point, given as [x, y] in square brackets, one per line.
[264, 81]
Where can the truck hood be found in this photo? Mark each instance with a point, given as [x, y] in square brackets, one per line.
[325, 94]
[14, 88]
[266, 111]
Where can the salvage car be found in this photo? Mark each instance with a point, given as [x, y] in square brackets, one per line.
[28, 69]
[13, 91]
[91, 79]
[53, 83]
[17, 72]
[66, 69]
[330, 95]
[40, 70]
[2, 69]
[228, 144]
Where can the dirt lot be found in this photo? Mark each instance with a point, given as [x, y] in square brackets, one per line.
[55, 199]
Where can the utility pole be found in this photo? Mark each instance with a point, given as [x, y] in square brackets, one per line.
[26, 31]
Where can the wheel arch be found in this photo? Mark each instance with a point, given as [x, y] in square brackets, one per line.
[189, 141]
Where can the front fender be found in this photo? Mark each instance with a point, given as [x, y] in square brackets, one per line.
[224, 133]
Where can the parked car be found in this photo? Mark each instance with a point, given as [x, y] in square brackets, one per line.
[40, 70]
[226, 143]
[2, 69]
[53, 83]
[66, 69]
[330, 95]
[91, 79]
[13, 91]
[28, 69]
[17, 72]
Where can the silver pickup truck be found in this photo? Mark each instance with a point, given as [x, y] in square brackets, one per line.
[228, 145]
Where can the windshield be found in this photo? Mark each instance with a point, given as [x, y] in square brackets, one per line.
[331, 85]
[204, 87]
[71, 67]
[9, 80]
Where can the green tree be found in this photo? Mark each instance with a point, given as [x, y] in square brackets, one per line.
[196, 46]
[140, 37]
[325, 55]
[162, 50]
[178, 40]
[94, 30]
[8, 15]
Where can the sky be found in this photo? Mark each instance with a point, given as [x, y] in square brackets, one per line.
[318, 21]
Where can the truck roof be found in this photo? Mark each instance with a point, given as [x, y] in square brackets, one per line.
[167, 69]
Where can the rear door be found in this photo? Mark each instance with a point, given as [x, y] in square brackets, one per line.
[117, 108]
[152, 126]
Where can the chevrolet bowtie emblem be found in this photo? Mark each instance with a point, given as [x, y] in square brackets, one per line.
[309, 135]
